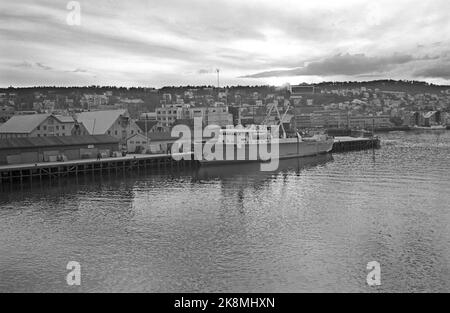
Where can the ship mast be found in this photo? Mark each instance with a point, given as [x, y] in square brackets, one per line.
[280, 118]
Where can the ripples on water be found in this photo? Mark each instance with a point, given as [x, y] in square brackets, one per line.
[311, 226]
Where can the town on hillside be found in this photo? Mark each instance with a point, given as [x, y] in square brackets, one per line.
[141, 119]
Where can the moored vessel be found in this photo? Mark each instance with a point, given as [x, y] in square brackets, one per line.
[258, 144]
[433, 127]
[263, 143]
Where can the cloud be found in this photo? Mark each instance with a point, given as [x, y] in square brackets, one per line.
[79, 70]
[30, 65]
[43, 66]
[206, 71]
[341, 64]
[153, 42]
[434, 71]
[24, 64]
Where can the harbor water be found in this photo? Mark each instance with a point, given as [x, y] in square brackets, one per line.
[311, 226]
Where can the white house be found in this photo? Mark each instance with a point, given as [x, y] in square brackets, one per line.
[155, 143]
[136, 142]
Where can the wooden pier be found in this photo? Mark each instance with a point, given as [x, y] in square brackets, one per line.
[346, 144]
[22, 173]
[38, 171]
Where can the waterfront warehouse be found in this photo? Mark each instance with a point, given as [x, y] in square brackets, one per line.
[50, 149]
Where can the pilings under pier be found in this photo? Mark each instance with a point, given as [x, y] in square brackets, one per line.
[53, 170]
[36, 172]
[346, 144]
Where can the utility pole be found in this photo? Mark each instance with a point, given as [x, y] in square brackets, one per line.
[218, 78]
[146, 130]
[373, 138]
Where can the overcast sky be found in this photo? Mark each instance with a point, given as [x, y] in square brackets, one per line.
[179, 42]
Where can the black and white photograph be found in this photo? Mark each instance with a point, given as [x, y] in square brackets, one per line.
[223, 153]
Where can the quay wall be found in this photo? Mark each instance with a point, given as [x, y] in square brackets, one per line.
[355, 144]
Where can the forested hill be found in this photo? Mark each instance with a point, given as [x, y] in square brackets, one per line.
[411, 87]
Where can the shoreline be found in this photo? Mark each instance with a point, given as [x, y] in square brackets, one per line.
[383, 130]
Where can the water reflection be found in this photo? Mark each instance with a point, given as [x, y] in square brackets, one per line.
[56, 189]
[288, 166]
[312, 225]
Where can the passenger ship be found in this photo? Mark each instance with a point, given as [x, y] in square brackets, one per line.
[254, 143]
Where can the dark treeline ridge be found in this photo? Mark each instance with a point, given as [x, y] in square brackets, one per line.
[409, 86]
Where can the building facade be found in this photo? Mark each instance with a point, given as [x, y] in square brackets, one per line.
[138, 143]
[6, 112]
[367, 122]
[153, 143]
[219, 116]
[169, 113]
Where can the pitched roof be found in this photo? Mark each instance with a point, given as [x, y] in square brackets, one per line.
[152, 137]
[23, 123]
[150, 125]
[98, 122]
[64, 118]
[429, 114]
[55, 141]
[138, 135]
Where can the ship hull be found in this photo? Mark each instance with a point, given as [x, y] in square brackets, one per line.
[288, 149]
[431, 128]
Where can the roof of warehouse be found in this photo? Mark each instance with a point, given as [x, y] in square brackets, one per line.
[25, 124]
[55, 141]
[98, 122]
